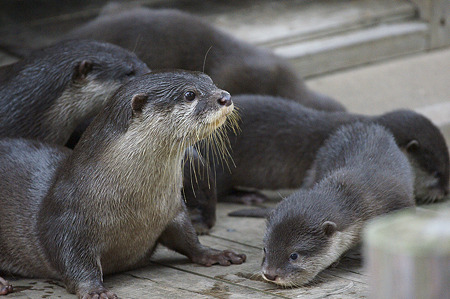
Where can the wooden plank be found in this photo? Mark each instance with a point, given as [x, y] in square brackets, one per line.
[124, 285]
[6, 59]
[272, 23]
[363, 46]
[328, 283]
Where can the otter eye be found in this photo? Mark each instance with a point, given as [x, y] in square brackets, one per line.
[189, 95]
[131, 73]
[293, 256]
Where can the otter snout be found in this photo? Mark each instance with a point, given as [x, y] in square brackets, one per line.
[270, 276]
[225, 99]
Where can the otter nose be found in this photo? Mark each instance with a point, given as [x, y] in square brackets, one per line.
[225, 99]
[270, 276]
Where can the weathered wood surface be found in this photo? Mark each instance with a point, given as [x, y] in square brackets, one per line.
[171, 275]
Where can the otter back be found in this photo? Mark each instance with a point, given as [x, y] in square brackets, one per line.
[165, 38]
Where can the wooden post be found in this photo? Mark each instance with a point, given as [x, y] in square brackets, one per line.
[407, 255]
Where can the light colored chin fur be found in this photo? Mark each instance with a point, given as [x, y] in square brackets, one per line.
[77, 102]
[217, 119]
[341, 242]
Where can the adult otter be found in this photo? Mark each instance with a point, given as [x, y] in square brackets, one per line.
[361, 174]
[105, 207]
[47, 94]
[167, 38]
[279, 140]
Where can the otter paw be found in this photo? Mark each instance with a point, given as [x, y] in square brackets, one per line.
[210, 257]
[100, 295]
[5, 287]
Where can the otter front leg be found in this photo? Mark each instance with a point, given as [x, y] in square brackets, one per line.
[83, 275]
[181, 237]
[5, 287]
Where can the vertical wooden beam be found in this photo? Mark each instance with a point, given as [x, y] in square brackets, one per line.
[407, 255]
[437, 14]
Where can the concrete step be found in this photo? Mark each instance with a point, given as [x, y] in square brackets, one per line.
[357, 47]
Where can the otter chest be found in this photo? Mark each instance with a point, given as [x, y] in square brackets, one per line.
[136, 232]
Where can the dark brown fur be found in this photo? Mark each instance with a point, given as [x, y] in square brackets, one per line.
[279, 140]
[363, 174]
[165, 38]
[48, 93]
[105, 207]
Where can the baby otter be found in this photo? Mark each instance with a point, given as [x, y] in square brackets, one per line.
[47, 94]
[168, 38]
[105, 207]
[362, 174]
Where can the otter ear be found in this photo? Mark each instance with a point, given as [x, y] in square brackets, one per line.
[82, 69]
[329, 228]
[138, 102]
[412, 145]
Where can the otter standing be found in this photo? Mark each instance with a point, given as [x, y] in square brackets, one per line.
[167, 38]
[361, 173]
[47, 94]
[104, 208]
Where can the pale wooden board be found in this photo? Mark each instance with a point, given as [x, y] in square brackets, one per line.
[6, 59]
[355, 48]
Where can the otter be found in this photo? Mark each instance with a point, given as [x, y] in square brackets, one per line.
[103, 208]
[279, 139]
[168, 38]
[361, 173]
[48, 93]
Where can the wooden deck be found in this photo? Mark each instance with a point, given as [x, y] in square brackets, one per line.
[171, 275]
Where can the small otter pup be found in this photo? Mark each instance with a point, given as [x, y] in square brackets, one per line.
[47, 94]
[167, 38]
[279, 140]
[105, 207]
[361, 174]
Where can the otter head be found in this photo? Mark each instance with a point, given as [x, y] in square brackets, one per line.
[70, 82]
[182, 105]
[99, 69]
[167, 111]
[299, 242]
[425, 147]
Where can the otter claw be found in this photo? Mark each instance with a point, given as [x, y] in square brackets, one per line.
[5, 287]
[223, 258]
[100, 295]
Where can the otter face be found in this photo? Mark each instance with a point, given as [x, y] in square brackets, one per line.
[425, 147]
[100, 69]
[297, 247]
[87, 73]
[184, 106]
[428, 187]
